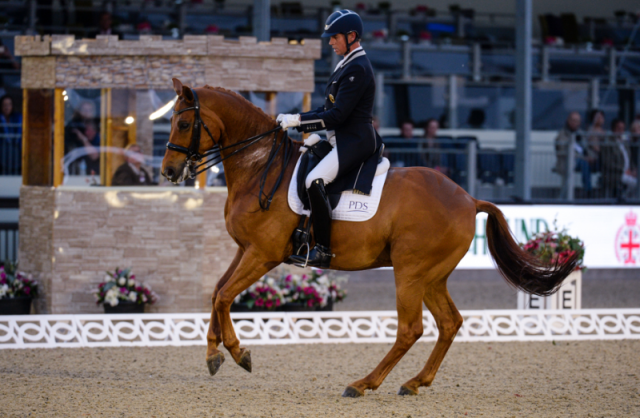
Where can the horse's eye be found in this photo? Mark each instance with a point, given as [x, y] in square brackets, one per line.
[183, 126]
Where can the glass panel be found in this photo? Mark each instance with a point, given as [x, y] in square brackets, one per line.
[82, 137]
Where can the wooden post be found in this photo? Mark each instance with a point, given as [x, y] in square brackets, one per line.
[270, 99]
[103, 135]
[25, 136]
[201, 180]
[306, 106]
[108, 170]
[36, 137]
[58, 137]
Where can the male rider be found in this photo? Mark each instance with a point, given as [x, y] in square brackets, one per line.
[346, 116]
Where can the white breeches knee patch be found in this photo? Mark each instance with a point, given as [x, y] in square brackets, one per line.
[327, 169]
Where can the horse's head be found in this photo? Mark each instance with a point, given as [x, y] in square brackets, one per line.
[187, 142]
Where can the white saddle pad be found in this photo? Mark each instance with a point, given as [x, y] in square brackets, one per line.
[352, 207]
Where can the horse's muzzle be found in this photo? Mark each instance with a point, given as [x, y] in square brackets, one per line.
[174, 175]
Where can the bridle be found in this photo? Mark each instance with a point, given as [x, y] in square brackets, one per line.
[193, 155]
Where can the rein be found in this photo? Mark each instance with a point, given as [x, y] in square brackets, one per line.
[193, 155]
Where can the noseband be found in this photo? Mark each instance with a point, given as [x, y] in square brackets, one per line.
[193, 155]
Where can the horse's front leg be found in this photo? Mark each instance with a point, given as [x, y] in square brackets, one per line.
[252, 266]
[215, 357]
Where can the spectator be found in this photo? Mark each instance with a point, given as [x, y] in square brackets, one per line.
[131, 172]
[105, 23]
[562, 141]
[7, 62]
[634, 140]
[82, 132]
[595, 134]
[617, 172]
[403, 147]
[429, 149]
[10, 138]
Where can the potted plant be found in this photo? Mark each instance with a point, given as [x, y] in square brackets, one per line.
[556, 248]
[121, 293]
[263, 295]
[17, 290]
[315, 292]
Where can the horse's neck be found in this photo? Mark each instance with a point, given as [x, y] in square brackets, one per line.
[246, 166]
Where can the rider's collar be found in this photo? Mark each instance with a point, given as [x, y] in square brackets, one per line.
[349, 57]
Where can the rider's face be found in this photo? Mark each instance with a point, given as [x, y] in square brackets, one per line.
[338, 44]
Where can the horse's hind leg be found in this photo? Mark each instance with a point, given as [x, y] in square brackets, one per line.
[215, 357]
[449, 321]
[409, 295]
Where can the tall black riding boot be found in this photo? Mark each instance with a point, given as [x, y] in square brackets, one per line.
[320, 256]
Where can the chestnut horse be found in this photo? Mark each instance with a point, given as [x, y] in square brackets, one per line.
[424, 226]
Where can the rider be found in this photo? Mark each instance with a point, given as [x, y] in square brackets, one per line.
[346, 116]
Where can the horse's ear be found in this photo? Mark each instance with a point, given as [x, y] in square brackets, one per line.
[177, 86]
[187, 94]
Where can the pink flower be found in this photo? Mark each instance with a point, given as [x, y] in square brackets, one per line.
[123, 290]
[288, 278]
[277, 302]
[260, 302]
[269, 304]
[309, 303]
[27, 290]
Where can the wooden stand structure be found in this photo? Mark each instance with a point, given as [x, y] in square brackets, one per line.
[69, 236]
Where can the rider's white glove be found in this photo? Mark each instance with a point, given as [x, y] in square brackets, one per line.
[288, 121]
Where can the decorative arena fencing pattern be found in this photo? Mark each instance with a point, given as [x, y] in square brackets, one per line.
[51, 331]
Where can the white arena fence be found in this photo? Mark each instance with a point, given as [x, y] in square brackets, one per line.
[126, 330]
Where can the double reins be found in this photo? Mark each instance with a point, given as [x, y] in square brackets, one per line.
[193, 155]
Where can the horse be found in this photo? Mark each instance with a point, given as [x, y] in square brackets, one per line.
[424, 225]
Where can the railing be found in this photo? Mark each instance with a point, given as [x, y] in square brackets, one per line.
[10, 149]
[9, 241]
[602, 166]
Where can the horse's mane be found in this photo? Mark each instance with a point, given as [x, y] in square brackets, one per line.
[233, 93]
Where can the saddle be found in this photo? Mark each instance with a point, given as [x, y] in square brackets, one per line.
[308, 161]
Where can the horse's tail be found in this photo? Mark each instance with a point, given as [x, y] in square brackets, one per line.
[519, 268]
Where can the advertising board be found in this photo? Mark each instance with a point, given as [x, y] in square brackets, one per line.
[611, 234]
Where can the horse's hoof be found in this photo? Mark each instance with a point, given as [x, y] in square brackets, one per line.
[245, 360]
[406, 391]
[214, 362]
[351, 392]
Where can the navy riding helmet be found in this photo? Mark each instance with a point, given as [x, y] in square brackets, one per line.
[344, 22]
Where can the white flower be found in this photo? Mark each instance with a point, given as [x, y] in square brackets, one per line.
[4, 289]
[133, 296]
[238, 298]
[131, 282]
[271, 282]
[108, 278]
[144, 299]
[122, 281]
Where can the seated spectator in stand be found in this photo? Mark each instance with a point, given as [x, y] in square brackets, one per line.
[7, 62]
[431, 157]
[617, 171]
[105, 25]
[82, 132]
[403, 155]
[595, 135]
[562, 141]
[131, 172]
[10, 138]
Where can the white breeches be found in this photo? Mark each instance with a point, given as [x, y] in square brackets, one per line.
[327, 169]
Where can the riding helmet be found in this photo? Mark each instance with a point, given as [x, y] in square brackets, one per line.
[343, 21]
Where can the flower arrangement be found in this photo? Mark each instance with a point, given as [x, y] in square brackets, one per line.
[555, 247]
[315, 290]
[16, 284]
[264, 294]
[312, 291]
[121, 286]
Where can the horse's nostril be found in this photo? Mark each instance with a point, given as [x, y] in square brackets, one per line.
[169, 173]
